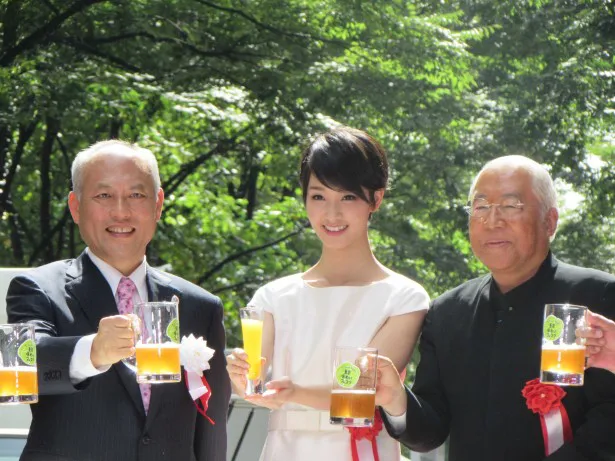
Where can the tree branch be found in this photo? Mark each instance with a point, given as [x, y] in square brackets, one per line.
[267, 26]
[171, 184]
[51, 133]
[240, 284]
[51, 6]
[243, 253]
[82, 46]
[25, 133]
[10, 27]
[44, 242]
[44, 32]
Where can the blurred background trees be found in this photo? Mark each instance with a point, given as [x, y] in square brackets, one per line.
[228, 92]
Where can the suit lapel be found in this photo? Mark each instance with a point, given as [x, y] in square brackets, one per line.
[159, 288]
[90, 291]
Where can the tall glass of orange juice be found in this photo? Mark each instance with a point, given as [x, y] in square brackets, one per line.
[157, 342]
[252, 331]
[353, 395]
[562, 359]
[18, 376]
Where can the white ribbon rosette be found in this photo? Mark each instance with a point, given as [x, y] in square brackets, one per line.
[194, 356]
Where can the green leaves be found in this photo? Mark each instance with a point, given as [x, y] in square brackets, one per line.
[228, 93]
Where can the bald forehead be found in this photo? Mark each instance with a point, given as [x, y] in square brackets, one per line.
[503, 180]
[119, 153]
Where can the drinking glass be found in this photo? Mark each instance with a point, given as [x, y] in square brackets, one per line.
[562, 360]
[353, 395]
[252, 331]
[18, 377]
[156, 329]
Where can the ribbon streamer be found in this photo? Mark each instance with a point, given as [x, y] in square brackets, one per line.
[200, 392]
[556, 429]
[368, 433]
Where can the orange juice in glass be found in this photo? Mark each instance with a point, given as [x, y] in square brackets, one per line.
[252, 331]
[18, 375]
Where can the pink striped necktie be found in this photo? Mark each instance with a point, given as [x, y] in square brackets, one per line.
[125, 292]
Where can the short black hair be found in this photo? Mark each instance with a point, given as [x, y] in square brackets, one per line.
[346, 159]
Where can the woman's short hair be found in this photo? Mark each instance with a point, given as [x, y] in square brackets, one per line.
[346, 159]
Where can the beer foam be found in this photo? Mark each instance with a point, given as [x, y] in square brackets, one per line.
[20, 368]
[353, 391]
[158, 346]
[564, 347]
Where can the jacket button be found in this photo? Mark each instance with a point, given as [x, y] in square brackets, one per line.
[146, 439]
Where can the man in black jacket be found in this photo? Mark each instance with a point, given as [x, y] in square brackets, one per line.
[481, 342]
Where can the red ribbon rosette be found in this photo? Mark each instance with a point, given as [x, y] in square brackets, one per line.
[546, 401]
[367, 433]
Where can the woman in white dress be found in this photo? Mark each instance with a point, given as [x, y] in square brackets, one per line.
[346, 298]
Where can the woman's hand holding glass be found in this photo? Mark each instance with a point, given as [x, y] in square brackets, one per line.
[237, 366]
[279, 391]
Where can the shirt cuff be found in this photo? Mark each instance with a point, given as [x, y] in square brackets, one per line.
[81, 367]
[397, 423]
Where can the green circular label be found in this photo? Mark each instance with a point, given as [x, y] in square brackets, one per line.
[27, 352]
[173, 331]
[347, 375]
[553, 328]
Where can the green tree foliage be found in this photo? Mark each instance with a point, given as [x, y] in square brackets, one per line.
[227, 93]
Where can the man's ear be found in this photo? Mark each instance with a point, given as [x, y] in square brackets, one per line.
[551, 221]
[159, 201]
[73, 206]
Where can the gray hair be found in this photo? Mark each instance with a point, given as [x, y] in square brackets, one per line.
[112, 146]
[542, 183]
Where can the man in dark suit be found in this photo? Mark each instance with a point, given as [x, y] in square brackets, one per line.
[481, 342]
[90, 405]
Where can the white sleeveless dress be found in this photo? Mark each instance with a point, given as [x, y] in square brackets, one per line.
[309, 323]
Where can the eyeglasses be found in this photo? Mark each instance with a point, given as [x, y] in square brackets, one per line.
[509, 208]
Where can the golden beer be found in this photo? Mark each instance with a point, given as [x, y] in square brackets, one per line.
[158, 360]
[563, 359]
[356, 404]
[17, 382]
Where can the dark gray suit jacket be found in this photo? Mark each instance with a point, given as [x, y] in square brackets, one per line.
[103, 417]
[475, 361]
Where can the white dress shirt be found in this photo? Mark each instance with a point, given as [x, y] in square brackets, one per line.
[398, 423]
[81, 367]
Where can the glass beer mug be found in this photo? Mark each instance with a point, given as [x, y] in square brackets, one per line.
[353, 395]
[562, 359]
[18, 376]
[156, 328]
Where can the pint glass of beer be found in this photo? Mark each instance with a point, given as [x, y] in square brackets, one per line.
[563, 360]
[353, 395]
[157, 342]
[18, 379]
[252, 331]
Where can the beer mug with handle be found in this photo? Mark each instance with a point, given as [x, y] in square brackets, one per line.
[353, 394]
[157, 340]
[18, 376]
[562, 359]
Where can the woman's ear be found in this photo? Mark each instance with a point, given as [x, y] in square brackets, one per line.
[378, 196]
